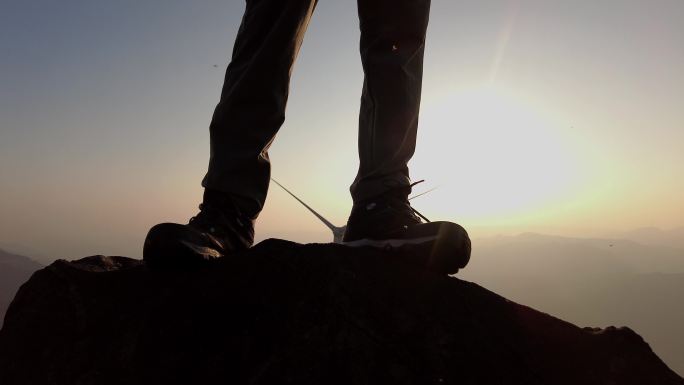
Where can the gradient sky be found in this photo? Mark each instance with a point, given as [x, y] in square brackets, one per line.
[556, 116]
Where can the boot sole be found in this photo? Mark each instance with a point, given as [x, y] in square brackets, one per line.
[447, 245]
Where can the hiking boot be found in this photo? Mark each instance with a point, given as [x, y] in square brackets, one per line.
[218, 229]
[389, 222]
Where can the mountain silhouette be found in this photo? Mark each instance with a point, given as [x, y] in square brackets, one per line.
[591, 282]
[656, 236]
[14, 270]
[285, 313]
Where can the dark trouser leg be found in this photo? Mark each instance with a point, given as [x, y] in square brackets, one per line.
[253, 99]
[392, 46]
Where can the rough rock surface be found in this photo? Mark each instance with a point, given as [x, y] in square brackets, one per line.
[284, 313]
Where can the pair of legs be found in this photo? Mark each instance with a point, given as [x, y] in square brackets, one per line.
[255, 92]
[252, 109]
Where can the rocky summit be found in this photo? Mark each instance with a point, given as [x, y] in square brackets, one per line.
[285, 313]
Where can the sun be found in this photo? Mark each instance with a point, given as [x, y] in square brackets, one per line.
[492, 156]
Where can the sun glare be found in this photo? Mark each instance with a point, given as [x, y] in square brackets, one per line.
[493, 156]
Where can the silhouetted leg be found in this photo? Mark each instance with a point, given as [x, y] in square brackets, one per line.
[253, 99]
[392, 46]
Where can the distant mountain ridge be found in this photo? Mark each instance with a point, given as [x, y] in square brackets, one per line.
[641, 257]
[657, 236]
[14, 271]
[591, 281]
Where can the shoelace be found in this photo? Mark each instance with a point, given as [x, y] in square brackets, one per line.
[399, 195]
[412, 209]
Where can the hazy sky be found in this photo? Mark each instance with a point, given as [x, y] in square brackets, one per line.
[554, 116]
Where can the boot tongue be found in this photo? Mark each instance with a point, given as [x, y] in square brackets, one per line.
[398, 195]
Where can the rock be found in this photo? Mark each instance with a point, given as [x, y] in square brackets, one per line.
[285, 313]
